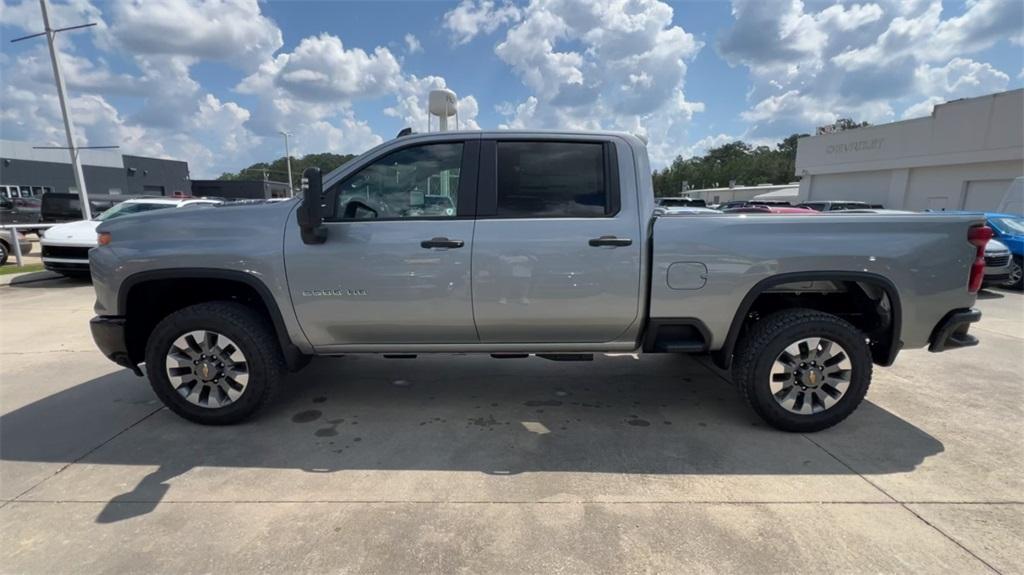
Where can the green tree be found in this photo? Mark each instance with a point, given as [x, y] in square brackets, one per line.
[735, 161]
[848, 124]
[277, 170]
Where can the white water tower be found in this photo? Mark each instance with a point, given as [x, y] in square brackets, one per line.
[444, 104]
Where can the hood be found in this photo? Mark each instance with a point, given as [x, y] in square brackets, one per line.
[995, 247]
[72, 232]
[1014, 243]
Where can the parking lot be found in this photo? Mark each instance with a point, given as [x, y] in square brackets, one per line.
[470, 464]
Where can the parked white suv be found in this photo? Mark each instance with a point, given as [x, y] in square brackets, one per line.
[66, 246]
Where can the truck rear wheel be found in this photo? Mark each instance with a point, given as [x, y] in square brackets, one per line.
[803, 370]
[214, 363]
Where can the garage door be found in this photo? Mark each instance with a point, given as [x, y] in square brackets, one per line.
[985, 195]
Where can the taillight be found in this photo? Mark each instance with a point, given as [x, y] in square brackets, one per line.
[103, 238]
[978, 236]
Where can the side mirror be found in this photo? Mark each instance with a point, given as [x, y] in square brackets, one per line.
[310, 213]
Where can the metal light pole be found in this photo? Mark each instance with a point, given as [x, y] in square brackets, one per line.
[288, 160]
[69, 128]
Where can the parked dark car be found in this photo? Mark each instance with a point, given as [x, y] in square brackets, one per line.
[20, 211]
[680, 203]
[834, 206]
[747, 203]
[57, 207]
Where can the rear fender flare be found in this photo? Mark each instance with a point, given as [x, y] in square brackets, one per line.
[723, 356]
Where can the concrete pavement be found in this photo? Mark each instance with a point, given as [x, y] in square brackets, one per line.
[468, 464]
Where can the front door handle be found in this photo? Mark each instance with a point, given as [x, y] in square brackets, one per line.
[610, 241]
[441, 243]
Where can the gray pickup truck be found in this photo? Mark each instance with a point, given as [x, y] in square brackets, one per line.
[519, 243]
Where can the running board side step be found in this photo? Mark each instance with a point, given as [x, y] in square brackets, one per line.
[547, 356]
[567, 356]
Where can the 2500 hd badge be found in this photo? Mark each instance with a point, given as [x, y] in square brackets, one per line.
[333, 292]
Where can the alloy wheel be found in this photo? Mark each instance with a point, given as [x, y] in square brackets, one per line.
[810, 376]
[1016, 271]
[207, 369]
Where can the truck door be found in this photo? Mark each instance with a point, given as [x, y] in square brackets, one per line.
[395, 268]
[556, 252]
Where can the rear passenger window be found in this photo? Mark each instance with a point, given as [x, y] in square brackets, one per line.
[552, 180]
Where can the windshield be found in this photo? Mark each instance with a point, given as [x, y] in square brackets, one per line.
[130, 208]
[1014, 226]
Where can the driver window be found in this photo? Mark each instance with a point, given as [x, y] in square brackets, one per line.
[417, 182]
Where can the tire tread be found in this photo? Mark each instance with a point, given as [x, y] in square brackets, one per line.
[748, 354]
[265, 349]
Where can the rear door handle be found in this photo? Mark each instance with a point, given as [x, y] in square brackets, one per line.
[610, 241]
[441, 243]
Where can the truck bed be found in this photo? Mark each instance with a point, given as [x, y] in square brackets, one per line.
[704, 266]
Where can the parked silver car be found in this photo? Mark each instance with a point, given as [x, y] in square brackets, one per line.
[998, 261]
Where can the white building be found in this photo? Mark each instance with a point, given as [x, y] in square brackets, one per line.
[783, 192]
[963, 156]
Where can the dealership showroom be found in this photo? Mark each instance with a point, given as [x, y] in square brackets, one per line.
[512, 287]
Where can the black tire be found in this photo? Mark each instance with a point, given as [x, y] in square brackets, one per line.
[3, 253]
[254, 337]
[762, 344]
[1018, 262]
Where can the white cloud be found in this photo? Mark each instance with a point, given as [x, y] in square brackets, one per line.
[411, 105]
[34, 116]
[230, 30]
[412, 44]
[959, 78]
[615, 65]
[312, 90]
[26, 14]
[171, 114]
[842, 18]
[79, 73]
[923, 108]
[471, 18]
[776, 34]
[926, 37]
[810, 64]
[322, 69]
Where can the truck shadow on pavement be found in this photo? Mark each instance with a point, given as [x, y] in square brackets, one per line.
[616, 415]
[47, 279]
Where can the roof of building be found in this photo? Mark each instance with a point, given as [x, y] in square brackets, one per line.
[14, 150]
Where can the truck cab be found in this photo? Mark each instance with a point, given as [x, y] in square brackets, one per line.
[540, 241]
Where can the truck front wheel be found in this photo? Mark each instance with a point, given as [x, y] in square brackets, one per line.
[803, 370]
[214, 363]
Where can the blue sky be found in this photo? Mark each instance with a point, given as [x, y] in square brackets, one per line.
[212, 82]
